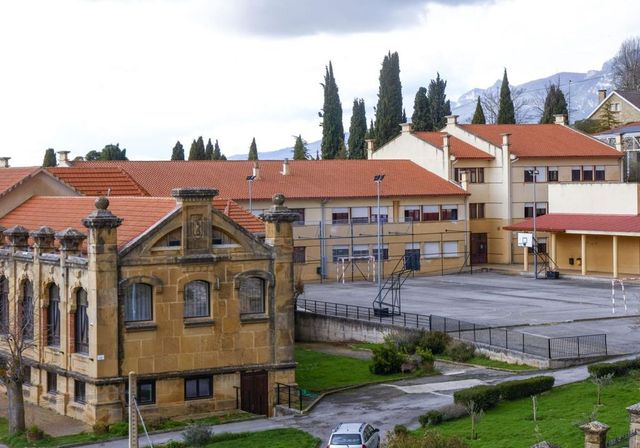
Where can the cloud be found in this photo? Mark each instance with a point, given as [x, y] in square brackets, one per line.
[283, 18]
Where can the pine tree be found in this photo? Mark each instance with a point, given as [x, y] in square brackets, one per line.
[332, 128]
[201, 150]
[113, 152]
[478, 115]
[440, 106]
[421, 118]
[389, 109]
[217, 154]
[49, 158]
[554, 104]
[178, 151]
[300, 151]
[193, 151]
[506, 112]
[253, 150]
[208, 151]
[404, 115]
[358, 131]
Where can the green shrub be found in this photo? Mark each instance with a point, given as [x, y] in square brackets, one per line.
[436, 341]
[513, 390]
[387, 359]
[400, 429]
[119, 429]
[461, 351]
[485, 397]
[427, 359]
[619, 368]
[406, 341]
[431, 418]
[100, 428]
[197, 435]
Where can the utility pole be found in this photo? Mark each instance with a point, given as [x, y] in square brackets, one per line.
[534, 173]
[378, 180]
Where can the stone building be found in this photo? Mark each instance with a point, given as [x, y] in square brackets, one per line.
[616, 108]
[172, 289]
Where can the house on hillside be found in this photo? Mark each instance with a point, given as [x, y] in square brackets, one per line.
[617, 108]
[627, 140]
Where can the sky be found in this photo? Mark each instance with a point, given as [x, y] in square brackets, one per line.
[79, 74]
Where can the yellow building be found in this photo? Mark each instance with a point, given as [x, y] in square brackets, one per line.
[616, 108]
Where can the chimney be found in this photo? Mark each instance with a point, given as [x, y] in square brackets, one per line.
[196, 218]
[285, 167]
[4, 162]
[602, 94]
[256, 169]
[370, 147]
[505, 140]
[63, 158]
[406, 127]
[561, 119]
[452, 120]
[445, 141]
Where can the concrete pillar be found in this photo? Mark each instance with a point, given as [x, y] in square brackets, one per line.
[595, 434]
[554, 251]
[583, 253]
[634, 425]
[615, 256]
[525, 259]
[196, 218]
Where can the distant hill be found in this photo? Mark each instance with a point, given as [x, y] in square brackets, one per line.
[284, 153]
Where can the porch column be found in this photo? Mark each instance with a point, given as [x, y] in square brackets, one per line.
[554, 251]
[583, 253]
[615, 256]
[525, 259]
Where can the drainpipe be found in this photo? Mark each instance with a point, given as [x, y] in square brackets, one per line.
[323, 243]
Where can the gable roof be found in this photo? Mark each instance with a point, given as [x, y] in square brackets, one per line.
[99, 180]
[10, 177]
[307, 179]
[457, 147]
[631, 97]
[563, 222]
[542, 140]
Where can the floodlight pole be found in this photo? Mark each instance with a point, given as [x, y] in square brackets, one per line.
[378, 180]
[534, 173]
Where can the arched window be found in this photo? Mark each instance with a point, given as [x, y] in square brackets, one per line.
[26, 315]
[4, 305]
[82, 322]
[252, 294]
[196, 299]
[53, 316]
[138, 303]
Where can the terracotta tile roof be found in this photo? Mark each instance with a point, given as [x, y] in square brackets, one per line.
[10, 177]
[457, 147]
[96, 181]
[239, 215]
[561, 222]
[307, 179]
[543, 140]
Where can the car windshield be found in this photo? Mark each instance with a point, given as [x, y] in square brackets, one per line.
[345, 439]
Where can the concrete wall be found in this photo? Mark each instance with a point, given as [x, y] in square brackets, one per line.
[407, 146]
[594, 198]
[39, 185]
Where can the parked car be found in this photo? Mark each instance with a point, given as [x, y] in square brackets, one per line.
[354, 435]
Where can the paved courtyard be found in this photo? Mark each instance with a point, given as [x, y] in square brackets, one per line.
[563, 307]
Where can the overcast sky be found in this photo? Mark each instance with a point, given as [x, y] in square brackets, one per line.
[79, 74]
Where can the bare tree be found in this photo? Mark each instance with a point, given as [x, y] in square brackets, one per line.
[626, 65]
[491, 104]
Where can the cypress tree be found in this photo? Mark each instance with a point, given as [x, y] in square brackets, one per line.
[193, 151]
[554, 104]
[332, 128]
[49, 158]
[253, 150]
[178, 151]
[200, 148]
[217, 154]
[389, 109]
[506, 112]
[440, 106]
[358, 131]
[371, 133]
[478, 115]
[421, 117]
[208, 151]
[300, 151]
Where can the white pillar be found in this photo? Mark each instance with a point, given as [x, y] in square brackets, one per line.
[525, 262]
[615, 256]
[554, 251]
[583, 253]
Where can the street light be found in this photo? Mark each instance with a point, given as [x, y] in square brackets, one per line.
[534, 173]
[250, 179]
[378, 180]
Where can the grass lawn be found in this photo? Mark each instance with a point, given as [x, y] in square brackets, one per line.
[510, 424]
[319, 372]
[275, 438]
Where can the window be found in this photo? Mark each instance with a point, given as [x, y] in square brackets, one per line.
[252, 295]
[540, 206]
[52, 383]
[340, 216]
[449, 212]
[146, 393]
[82, 322]
[360, 250]
[339, 251]
[300, 254]
[138, 303]
[476, 210]
[53, 316]
[552, 175]
[196, 299]
[587, 173]
[576, 174]
[198, 387]
[79, 391]
[4, 304]
[600, 176]
[385, 252]
[360, 215]
[528, 174]
[218, 237]
[411, 213]
[26, 316]
[384, 214]
[540, 177]
[450, 249]
[614, 107]
[430, 213]
[300, 212]
[474, 175]
[26, 375]
[542, 245]
[432, 250]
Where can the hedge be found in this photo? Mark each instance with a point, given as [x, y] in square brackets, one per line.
[485, 397]
[513, 390]
[619, 368]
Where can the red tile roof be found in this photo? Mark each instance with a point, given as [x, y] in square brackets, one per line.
[11, 176]
[96, 181]
[307, 179]
[239, 215]
[542, 140]
[561, 222]
[457, 147]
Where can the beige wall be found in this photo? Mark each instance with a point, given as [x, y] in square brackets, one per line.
[594, 198]
[627, 113]
[41, 184]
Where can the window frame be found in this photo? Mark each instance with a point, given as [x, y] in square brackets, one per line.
[197, 379]
[428, 216]
[358, 250]
[449, 209]
[53, 316]
[385, 252]
[588, 173]
[139, 386]
[476, 210]
[52, 383]
[555, 177]
[576, 174]
[449, 254]
[192, 315]
[299, 254]
[430, 255]
[384, 214]
[301, 214]
[79, 391]
[363, 211]
[412, 211]
[128, 298]
[4, 304]
[600, 173]
[335, 256]
[340, 215]
[26, 312]
[243, 298]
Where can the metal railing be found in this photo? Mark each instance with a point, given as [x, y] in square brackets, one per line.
[552, 348]
[294, 397]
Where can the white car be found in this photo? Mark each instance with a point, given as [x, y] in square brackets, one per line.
[354, 435]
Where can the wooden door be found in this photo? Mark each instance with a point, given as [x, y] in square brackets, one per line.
[254, 392]
[478, 248]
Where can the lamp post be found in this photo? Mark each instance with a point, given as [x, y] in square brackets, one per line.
[250, 179]
[378, 180]
[534, 173]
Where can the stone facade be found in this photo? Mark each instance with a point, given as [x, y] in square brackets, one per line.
[200, 309]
